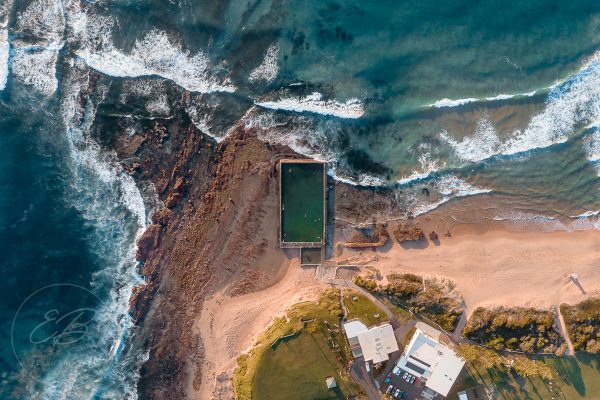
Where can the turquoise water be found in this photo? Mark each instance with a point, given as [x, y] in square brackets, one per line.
[438, 100]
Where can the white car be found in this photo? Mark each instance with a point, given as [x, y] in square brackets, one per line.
[396, 371]
[397, 392]
[412, 379]
[407, 379]
[405, 375]
[389, 389]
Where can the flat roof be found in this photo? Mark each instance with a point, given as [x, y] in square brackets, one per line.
[377, 343]
[353, 328]
[431, 360]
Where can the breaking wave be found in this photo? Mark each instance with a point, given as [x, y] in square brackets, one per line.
[572, 102]
[153, 54]
[449, 187]
[448, 103]
[313, 103]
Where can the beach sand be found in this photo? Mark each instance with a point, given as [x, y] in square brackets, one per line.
[230, 326]
[493, 268]
[502, 268]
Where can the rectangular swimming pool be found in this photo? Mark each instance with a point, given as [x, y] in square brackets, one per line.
[302, 202]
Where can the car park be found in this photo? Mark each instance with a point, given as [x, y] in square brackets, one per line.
[397, 392]
[389, 389]
[405, 375]
[412, 379]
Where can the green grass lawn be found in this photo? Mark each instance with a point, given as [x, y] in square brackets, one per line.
[360, 307]
[575, 378]
[296, 367]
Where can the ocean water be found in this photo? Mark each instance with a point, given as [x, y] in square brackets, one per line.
[437, 100]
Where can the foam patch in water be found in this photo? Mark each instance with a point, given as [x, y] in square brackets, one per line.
[43, 20]
[449, 103]
[269, 68]
[154, 54]
[313, 103]
[36, 67]
[4, 51]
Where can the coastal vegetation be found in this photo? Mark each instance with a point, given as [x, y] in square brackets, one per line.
[297, 352]
[526, 330]
[358, 306]
[428, 297]
[583, 324]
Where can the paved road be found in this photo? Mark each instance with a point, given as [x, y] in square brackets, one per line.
[364, 379]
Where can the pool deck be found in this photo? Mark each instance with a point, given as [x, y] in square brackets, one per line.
[322, 243]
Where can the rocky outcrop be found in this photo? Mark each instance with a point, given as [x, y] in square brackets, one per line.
[379, 238]
[408, 232]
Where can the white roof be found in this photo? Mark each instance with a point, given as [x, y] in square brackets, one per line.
[353, 328]
[440, 365]
[463, 396]
[377, 343]
[446, 371]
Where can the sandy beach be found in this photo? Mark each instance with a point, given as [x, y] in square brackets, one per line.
[503, 267]
[490, 269]
[231, 325]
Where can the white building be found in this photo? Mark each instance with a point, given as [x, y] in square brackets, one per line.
[431, 361]
[375, 344]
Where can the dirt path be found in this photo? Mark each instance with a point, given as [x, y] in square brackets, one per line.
[570, 351]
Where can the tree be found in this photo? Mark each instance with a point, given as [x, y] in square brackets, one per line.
[531, 368]
[479, 356]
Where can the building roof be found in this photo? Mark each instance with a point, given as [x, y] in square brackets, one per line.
[353, 328]
[377, 343]
[427, 358]
[330, 382]
[445, 373]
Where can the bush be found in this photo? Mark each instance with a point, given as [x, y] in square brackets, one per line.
[519, 329]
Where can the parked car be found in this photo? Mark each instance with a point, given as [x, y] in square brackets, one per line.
[389, 389]
[402, 394]
[405, 375]
[407, 379]
[387, 380]
[412, 379]
[396, 370]
[397, 392]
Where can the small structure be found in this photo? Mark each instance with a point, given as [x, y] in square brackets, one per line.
[330, 382]
[478, 392]
[431, 361]
[375, 344]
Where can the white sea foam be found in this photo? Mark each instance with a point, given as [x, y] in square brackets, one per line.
[483, 144]
[591, 146]
[449, 187]
[524, 220]
[44, 20]
[428, 166]
[152, 90]
[154, 54]
[587, 214]
[34, 61]
[4, 51]
[36, 67]
[572, 102]
[352, 108]
[269, 68]
[448, 103]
